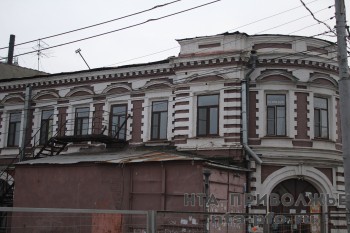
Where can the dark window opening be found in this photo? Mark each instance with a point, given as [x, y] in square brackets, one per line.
[117, 121]
[276, 115]
[321, 117]
[208, 115]
[46, 128]
[81, 126]
[159, 120]
[14, 129]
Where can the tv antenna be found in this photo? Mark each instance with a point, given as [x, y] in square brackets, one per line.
[39, 47]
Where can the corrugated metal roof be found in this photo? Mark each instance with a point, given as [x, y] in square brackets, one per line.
[129, 156]
[122, 157]
[153, 157]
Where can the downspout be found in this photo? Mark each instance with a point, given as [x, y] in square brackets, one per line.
[245, 94]
[26, 118]
[248, 150]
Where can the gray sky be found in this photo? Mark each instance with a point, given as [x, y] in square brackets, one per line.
[31, 20]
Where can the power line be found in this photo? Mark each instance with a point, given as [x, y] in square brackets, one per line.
[236, 68]
[224, 88]
[98, 24]
[287, 55]
[271, 16]
[204, 49]
[121, 29]
[273, 50]
[313, 16]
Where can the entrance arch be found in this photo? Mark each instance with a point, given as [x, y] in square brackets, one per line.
[296, 213]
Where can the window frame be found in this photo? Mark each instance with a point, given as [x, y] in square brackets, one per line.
[77, 120]
[275, 119]
[320, 118]
[11, 137]
[208, 120]
[111, 115]
[159, 114]
[43, 139]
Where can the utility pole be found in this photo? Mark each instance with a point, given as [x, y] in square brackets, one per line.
[344, 93]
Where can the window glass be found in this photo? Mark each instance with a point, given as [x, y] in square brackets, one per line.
[320, 117]
[81, 121]
[213, 121]
[14, 129]
[276, 115]
[273, 100]
[46, 127]
[163, 125]
[320, 103]
[208, 100]
[159, 120]
[82, 112]
[208, 115]
[118, 121]
[160, 106]
[15, 117]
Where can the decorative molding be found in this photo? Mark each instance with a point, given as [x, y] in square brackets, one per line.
[80, 91]
[15, 98]
[117, 88]
[271, 75]
[46, 93]
[324, 80]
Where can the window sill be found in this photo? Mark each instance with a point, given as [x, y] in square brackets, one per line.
[206, 137]
[157, 143]
[323, 140]
[276, 137]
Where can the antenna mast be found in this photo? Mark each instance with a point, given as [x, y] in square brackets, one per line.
[41, 44]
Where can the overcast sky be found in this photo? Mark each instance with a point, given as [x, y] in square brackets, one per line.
[34, 19]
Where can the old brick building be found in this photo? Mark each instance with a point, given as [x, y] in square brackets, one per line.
[266, 103]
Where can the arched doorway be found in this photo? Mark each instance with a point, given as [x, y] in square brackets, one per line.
[300, 218]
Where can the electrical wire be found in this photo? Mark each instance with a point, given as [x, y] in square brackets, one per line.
[121, 29]
[231, 41]
[214, 72]
[313, 16]
[304, 53]
[97, 24]
[203, 74]
[215, 91]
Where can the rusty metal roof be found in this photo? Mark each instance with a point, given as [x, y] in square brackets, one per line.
[128, 156]
[156, 156]
[123, 157]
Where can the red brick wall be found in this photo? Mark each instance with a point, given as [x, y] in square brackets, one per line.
[62, 117]
[137, 121]
[301, 119]
[97, 125]
[252, 114]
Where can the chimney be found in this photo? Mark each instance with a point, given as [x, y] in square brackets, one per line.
[11, 49]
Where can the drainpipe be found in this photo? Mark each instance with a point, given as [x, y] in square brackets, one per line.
[245, 94]
[206, 174]
[27, 102]
[248, 150]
